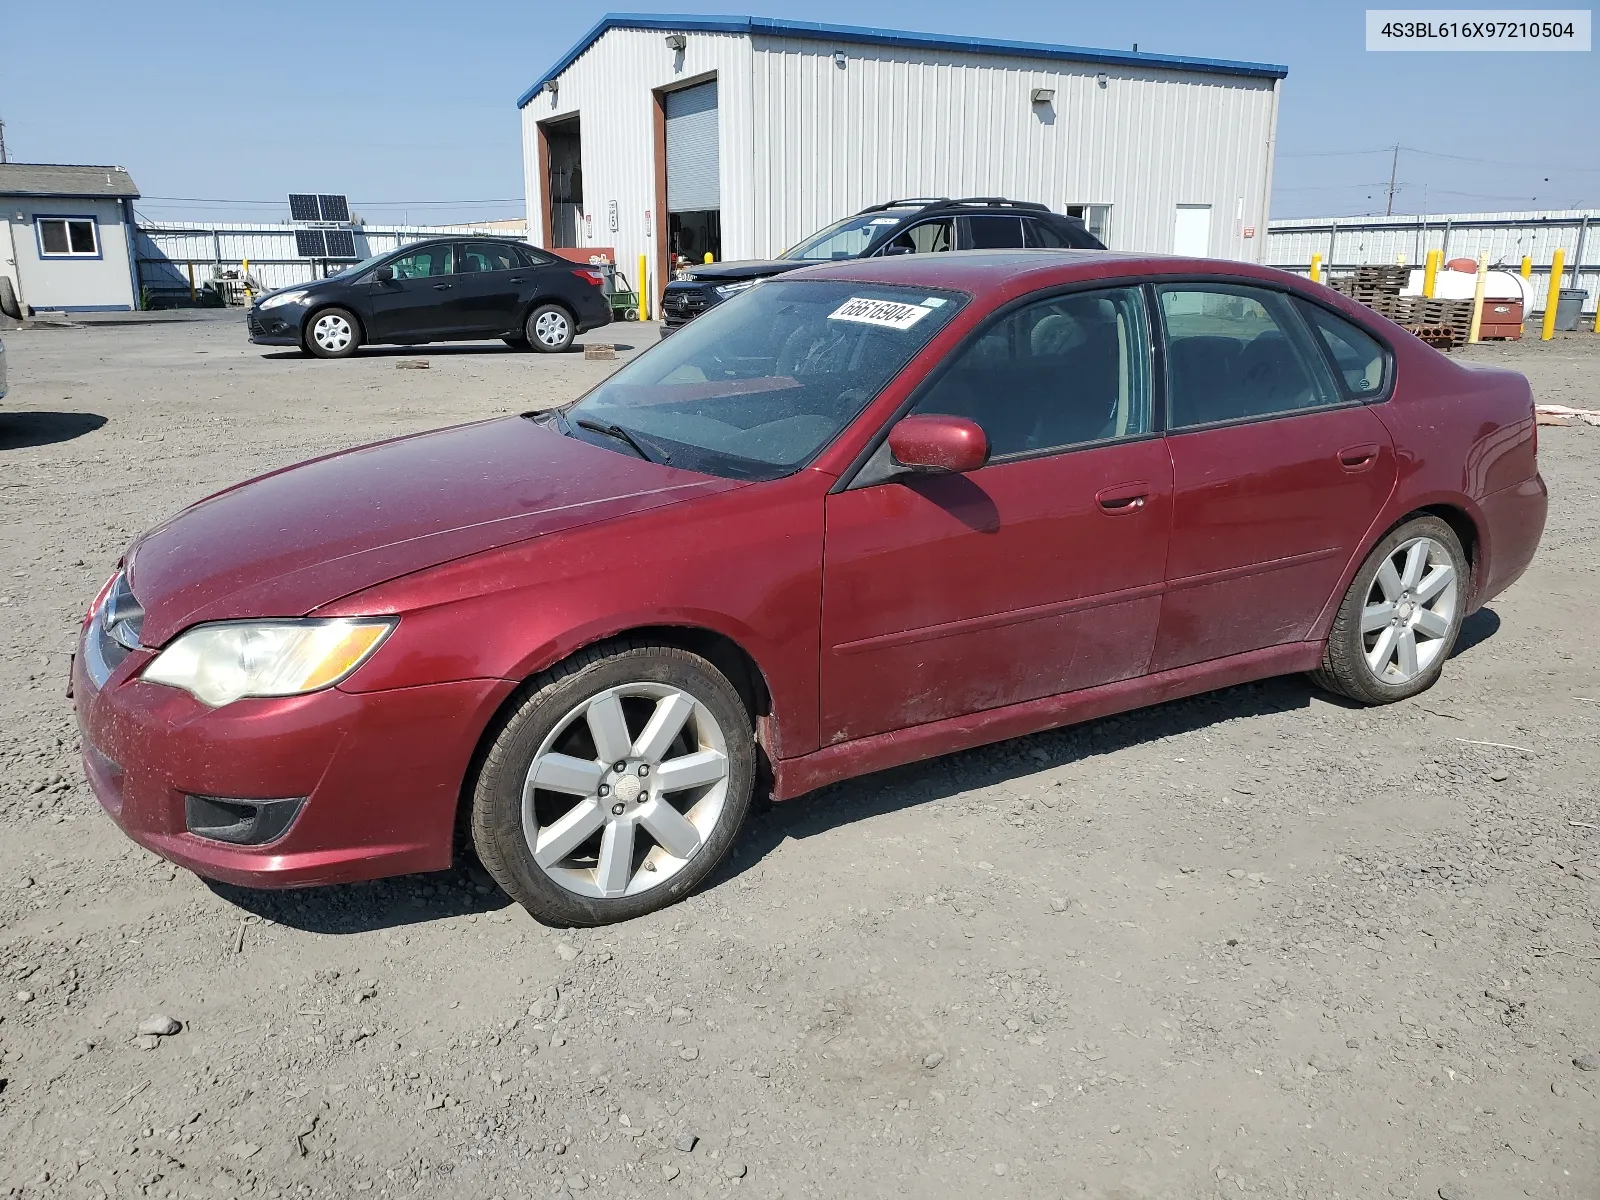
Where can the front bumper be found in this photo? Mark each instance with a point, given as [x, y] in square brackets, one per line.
[278, 326]
[682, 301]
[380, 772]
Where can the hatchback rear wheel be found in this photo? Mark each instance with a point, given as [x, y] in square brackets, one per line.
[1400, 618]
[617, 786]
[332, 333]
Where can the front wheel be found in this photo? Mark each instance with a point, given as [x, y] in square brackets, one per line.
[1397, 623]
[550, 328]
[332, 334]
[617, 785]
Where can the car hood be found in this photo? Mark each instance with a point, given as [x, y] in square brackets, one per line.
[287, 543]
[751, 269]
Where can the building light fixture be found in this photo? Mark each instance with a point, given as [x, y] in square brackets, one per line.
[1044, 95]
[676, 42]
[839, 59]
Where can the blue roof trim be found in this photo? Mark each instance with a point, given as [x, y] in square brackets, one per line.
[891, 37]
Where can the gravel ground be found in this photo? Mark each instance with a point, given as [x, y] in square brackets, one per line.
[1257, 942]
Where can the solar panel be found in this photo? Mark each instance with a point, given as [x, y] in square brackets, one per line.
[309, 243]
[341, 243]
[303, 207]
[334, 208]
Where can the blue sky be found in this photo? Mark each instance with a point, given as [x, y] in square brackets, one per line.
[411, 108]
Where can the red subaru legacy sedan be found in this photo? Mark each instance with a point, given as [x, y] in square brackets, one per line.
[864, 514]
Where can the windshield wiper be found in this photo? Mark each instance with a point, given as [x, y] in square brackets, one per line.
[622, 435]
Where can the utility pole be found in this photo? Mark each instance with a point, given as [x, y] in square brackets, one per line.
[3, 157]
[1394, 165]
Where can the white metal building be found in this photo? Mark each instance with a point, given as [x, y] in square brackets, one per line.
[741, 135]
[66, 236]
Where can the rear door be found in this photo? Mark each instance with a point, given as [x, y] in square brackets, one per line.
[1037, 574]
[416, 303]
[491, 281]
[1278, 473]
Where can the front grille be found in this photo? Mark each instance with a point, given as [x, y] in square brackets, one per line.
[685, 301]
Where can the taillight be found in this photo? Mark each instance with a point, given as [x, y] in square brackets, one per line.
[590, 277]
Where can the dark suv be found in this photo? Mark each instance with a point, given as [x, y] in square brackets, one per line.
[923, 225]
[440, 290]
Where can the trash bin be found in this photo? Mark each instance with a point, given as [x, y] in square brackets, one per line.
[1569, 310]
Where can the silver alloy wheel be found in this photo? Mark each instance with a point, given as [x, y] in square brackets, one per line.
[625, 790]
[551, 328]
[332, 332]
[1409, 611]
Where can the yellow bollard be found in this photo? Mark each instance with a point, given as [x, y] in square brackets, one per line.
[1527, 267]
[1552, 298]
[1430, 273]
[644, 289]
[244, 271]
[1477, 299]
[1316, 268]
[709, 259]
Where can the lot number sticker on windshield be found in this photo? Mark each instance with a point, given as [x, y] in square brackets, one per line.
[888, 313]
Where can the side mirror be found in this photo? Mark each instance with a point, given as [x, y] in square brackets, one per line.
[383, 275]
[934, 442]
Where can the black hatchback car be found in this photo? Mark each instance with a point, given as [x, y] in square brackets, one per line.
[441, 290]
[924, 225]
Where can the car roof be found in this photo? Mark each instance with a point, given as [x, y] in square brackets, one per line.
[981, 271]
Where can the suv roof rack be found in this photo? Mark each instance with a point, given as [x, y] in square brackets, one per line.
[907, 202]
[999, 202]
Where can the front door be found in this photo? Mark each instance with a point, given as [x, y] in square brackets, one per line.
[490, 283]
[1039, 573]
[1278, 473]
[416, 303]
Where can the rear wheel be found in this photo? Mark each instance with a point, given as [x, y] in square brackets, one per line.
[616, 787]
[550, 328]
[1400, 618]
[332, 333]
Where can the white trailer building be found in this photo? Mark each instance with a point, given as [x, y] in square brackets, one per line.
[738, 136]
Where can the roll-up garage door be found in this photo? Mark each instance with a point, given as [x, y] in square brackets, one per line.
[693, 178]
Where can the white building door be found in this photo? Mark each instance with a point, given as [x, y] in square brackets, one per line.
[1191, 231]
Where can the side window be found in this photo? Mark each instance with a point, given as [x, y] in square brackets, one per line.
[487, 256]
[537, 257]
[426, 263]
[930, 237]
[1237, 352]
[990, 231]
[1357, 356]
[1040, 236]
[1055, 373]
[66, 237]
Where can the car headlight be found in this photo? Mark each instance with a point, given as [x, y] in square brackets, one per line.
[733, 289]
[218, 664]
[283, 298]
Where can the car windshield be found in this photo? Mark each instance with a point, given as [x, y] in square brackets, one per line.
[848, 238]
[756, 387]
[356, 268]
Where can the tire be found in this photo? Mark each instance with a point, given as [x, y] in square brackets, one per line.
[1418, 601]
[8, 300]
[582, 823]
[630, 314]
[332, 333]
[550, 329]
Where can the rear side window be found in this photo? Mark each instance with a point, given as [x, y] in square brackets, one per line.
[1237, 352]
[1042, 237]
[1357, 357]
[990, 232]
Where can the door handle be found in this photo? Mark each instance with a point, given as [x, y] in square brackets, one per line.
[439, 287]
[1358, 458]
[1123, 498]
[516, 279]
